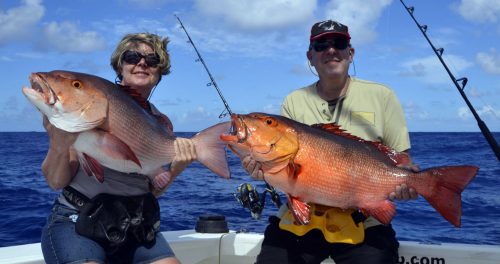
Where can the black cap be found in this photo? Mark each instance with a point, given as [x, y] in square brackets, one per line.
[328, 27]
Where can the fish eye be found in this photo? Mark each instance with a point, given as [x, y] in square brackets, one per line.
[269, 121]
[76, 84]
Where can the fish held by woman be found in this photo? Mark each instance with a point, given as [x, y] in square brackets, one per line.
[115, 131]
[325, 165]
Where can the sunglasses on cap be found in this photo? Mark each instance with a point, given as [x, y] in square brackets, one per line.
[133, 57]
[337, 43]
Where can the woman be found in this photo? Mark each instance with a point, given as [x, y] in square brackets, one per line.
[70, 235]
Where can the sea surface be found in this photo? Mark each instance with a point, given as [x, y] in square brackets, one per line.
[26, 199]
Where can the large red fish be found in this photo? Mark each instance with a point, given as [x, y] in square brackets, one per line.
[325, 165]
[114, 130]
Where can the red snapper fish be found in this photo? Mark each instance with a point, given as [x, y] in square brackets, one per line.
[323, 164]
[115, 131]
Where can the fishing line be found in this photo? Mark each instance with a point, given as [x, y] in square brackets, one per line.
[460, 86]
[212, 80]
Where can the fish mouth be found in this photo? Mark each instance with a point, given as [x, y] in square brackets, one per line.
[41, 88]
[238, 132]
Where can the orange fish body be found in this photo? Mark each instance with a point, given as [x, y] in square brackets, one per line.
[115, 131]
[327, 166]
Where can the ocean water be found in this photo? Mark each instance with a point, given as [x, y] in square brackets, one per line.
[25, 198]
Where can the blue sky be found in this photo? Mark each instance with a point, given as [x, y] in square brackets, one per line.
[255, 49]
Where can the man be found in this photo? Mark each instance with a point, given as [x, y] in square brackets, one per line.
[365, 109]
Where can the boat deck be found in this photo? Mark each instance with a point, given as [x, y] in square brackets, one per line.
[192, 247]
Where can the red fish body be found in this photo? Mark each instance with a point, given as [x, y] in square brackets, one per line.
[327, 166]
[115, 131]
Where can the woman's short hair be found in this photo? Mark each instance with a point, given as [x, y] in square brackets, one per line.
[129, 41]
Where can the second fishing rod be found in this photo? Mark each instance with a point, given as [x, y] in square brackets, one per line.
[246, 194]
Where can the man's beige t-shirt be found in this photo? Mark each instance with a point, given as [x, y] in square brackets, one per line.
[368, 110]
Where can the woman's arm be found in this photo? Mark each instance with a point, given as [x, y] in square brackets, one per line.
[185, 154]
[61, 162]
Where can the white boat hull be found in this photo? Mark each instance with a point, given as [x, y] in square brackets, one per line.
[229, 248]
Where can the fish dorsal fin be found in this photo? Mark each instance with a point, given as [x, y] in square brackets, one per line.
[336, 129]
[396, 157]
[143, 102]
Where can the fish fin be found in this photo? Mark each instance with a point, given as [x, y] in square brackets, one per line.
[116, 148]
[210, 149]
[383, 212]
[92, 167]
[397, 158]
[293, 169]
[109, 145]
[445, 195]
[300, 210]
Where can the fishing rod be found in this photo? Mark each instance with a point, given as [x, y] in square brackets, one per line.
[460, 87]
[212, 80]
[246, 194]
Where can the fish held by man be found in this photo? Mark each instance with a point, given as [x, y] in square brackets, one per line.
[115, 131]
[325, 165]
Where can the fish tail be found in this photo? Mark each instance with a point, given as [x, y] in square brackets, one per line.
[445, 192]
[210, 149]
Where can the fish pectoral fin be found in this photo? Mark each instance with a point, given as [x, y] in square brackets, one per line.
[383, 212]
[92, 167]
[293, 169]
[300, 210]
[116, 148]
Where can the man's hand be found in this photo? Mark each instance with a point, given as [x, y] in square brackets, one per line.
[253, 168]
[402, 192]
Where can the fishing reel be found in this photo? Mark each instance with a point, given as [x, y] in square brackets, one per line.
[248, 196]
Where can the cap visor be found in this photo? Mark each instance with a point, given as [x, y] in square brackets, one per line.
[330, 34]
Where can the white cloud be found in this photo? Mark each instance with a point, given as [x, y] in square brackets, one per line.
[431, 71]
[18, 23]
[66, 37]
[489, 61]
[213, 39]
[5, 58]
[148, 4]
[272, 109]
[485, 111]
[413, 111]
[259, 14]
[359, 15]
[480, 10]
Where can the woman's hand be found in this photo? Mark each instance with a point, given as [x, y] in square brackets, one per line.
[61, 162]
[185, 154]
[253, 168]
[59, 139]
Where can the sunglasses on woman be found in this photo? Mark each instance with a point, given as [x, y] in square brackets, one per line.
[337, 43]
[133, 57]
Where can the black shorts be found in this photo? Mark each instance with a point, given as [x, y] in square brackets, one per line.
[280, 246]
